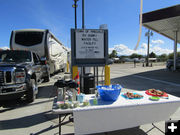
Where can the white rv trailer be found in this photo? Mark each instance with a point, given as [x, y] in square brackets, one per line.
[43, 43]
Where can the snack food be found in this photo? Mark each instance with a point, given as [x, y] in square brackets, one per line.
[60, 104]
[131, 95]
[75, 104]
[86, 103]
[66, 105]
[154, 92]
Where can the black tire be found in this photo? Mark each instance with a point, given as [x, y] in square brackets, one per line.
[31, 92]
[47, 78]
[63, 69]
[1, 104]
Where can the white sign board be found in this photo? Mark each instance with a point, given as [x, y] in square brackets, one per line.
[89, 44]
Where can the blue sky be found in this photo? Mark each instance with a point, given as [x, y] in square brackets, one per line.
[121, 17]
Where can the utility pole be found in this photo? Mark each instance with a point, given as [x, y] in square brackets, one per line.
[148, 34]
[83, 14]
[75, 68]
[83, 69]
[75, 6]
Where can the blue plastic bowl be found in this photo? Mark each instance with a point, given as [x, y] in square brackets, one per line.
[109, 93]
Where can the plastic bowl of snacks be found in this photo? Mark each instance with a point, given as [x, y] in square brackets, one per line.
[109, 93]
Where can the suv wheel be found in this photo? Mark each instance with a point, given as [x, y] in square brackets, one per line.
[31, 91]
[47, 78]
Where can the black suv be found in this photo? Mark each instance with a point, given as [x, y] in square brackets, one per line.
[170, 64]
[20, 73]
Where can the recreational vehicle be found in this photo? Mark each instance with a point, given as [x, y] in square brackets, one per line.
[44, 43]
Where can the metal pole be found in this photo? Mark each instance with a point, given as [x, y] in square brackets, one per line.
[175, 49]
[148, 49]
[75, 68]
[82, 14]
[75, 3]
[59, 124]
[94, 75]
[83, 68]
[97, 75]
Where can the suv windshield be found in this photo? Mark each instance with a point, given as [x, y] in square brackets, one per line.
[15, 56]
[28, 38]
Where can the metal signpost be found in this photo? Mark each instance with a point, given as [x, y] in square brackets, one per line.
[89, 48]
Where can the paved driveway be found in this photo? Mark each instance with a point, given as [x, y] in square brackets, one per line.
[18, 118]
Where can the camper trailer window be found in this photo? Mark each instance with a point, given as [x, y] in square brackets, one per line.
[28, 38]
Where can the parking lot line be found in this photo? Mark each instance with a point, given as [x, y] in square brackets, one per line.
[161, 81]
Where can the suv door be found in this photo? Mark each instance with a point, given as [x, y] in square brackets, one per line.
[37, 67]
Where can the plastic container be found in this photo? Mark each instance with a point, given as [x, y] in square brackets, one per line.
[86, 103]
[75, 104]
[153, 98]
[109, 93]
[80, 97]
[95, 101]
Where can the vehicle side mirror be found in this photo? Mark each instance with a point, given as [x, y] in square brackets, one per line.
[43, 61]
[110, 61]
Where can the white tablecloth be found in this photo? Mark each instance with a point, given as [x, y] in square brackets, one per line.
[123, 113]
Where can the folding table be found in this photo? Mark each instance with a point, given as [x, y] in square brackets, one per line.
[121, 114]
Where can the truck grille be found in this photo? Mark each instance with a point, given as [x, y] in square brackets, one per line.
[6, 77]
[8, 90]
[1, 77]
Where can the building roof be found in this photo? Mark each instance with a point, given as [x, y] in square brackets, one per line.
[164, 21]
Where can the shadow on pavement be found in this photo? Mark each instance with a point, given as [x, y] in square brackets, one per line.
[129, 131]
[14, 104]
[50, 128]
[26, 121]
[162, 74]
[44, 92]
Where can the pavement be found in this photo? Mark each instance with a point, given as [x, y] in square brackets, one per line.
[17, 117]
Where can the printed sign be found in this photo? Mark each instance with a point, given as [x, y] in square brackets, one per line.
[89, 44]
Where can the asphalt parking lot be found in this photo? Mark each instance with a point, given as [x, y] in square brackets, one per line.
[17, 117]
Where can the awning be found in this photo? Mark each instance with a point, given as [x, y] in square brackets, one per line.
[164, 21]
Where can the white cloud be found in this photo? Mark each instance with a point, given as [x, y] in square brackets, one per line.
[158, 42]
[144, 46]
[110, 50]
[4, 47]
[124, 50]
[158, 50]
